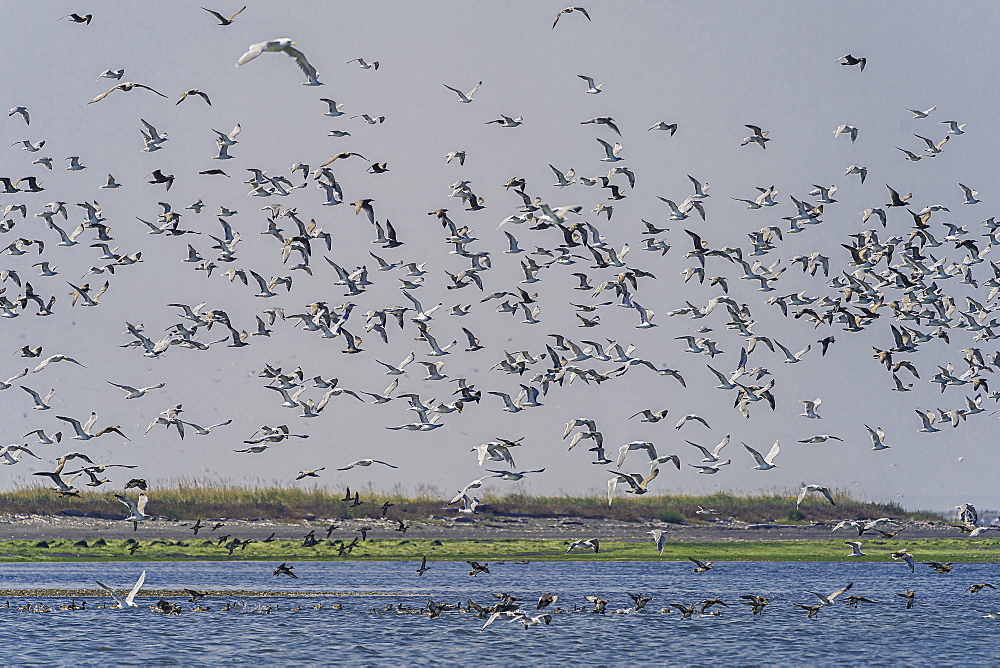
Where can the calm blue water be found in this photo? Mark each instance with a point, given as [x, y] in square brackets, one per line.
[945, 626]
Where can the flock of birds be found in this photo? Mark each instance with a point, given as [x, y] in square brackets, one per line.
[899, 277]
[513, 608]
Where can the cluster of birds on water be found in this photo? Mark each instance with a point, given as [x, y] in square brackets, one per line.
[885, 277]
[512, 608]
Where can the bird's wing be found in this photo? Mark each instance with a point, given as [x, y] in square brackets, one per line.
[840, 591]
[104, 94]
[127, 502]
[135, 589]
[300, 60]
[254, 51]
[111, 591]
[141, 504]
[772, 453]
[756, 455]
[139, 85]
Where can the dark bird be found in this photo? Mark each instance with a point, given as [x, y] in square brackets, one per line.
[976, 588]
[850, 61]
[160, 177]
[604, 120]
[385, 507]
[194, 91]
[125, 88]
[81, 19]
[853, 601]
[330, 529]
[757, 603]
[545, 600]
[701, 566]
[133, 547]
[197, 526]
[909, 594]
[570, 10]
[640, 600]
[895, 198]
[195, 595]
[423, 567]
[224, 20]
[285, 569]
[813, 609]
[477, 568]
[940, 568]
[137, 482]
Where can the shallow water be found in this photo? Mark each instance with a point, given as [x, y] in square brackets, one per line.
[945, 626]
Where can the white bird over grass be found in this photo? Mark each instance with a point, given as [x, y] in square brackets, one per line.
[136, 509]
[585, 544]
[767, 462]
[806, 489]
[660, 538]
[128, 601]
[475, 484]
[288, 46]
[855, 548]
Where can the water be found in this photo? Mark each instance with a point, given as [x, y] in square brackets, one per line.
[945, 627]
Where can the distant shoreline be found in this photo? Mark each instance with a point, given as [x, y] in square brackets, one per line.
[61, 538]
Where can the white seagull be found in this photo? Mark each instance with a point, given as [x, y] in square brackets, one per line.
[764, 463]
[128, 601]
[366, 462]
[464, 98]
[288, 46]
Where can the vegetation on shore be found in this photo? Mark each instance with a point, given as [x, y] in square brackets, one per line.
[955, 550]
[192, 499]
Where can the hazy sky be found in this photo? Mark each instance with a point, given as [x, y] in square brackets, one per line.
[709, 67]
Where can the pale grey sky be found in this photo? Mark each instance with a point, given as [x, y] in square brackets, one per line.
[710, 67]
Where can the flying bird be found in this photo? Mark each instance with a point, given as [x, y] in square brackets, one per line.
[288, 46]
[125, 88]
[570, 10]
[225, 20]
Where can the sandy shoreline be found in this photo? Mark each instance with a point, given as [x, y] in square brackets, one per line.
[53, 527]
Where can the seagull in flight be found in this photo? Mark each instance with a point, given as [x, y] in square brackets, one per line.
[829, 599]
[766, 462]
[464, 98]
[288, 46]
[129, 600]
[806, 489]
[591, 87]
[136, 509]
[367, 462]
[570, 10]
